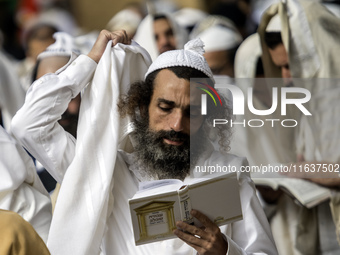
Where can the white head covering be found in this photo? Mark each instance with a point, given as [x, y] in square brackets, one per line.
[191, 56]
[217, 38]
[56, 17]
[125, 19]
[65, 44]
[247, 56]
[146, 38]
[189, 17]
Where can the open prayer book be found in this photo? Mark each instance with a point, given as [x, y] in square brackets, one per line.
[306, 193]
[159, 204]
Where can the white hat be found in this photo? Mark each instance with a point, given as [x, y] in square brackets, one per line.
[189, 17]
[217, 38]
[125, 19]
[191, 56]
[65, 44]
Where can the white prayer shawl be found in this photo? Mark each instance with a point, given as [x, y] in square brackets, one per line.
[247, 56]
[21, 190]
[86, 190]
[276, 143]
[188, 17]
[146, 38]
[312, 42]
[12, 95]
[311, 38]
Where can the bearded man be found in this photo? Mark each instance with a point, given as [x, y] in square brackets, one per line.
[107, 162]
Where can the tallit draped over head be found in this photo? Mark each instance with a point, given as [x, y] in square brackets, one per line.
[309, 33]
[276, 142]
[247, 56]
[311, 36]
[146, 38]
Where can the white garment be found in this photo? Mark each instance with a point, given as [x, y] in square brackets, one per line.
[313, 48]
[11, 93]
[52, 146]
[21, 190]
[276, 143]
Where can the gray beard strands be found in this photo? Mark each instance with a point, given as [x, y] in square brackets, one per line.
[161, 160]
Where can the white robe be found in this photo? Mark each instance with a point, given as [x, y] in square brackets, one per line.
[98, 180]
[21, 190]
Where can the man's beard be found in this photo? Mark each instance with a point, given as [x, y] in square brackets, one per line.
[162, 160]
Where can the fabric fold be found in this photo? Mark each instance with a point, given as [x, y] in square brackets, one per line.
[86, 189]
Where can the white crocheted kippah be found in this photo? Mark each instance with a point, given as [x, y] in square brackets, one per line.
[191, 56]
[64, 46]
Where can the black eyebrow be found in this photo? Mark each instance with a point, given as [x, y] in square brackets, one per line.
[162, 100]
[172, 103]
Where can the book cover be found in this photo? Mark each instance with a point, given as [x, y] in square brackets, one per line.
[156, 208]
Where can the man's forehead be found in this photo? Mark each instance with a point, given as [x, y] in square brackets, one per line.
[162, 22]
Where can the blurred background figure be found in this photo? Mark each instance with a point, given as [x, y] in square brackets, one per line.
[12, 95]
[189, 17]
[65, 49]
[299, 39]
[159, 33]
[21, 191]
[37, 39]
[276, 143]
[127, 19]
[221, 40]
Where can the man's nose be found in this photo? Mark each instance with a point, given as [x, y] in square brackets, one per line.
[177, 121]
[163, 40]
[287, 77]
[285, 72]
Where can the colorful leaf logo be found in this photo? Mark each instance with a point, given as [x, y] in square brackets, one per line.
[209, 93]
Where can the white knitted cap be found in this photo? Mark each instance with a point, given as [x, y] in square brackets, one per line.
[66, 44]
[63, 46]
[191, 56]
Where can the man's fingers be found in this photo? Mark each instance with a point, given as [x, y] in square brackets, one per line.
[206, 222]
[120, 37]
[205, 241]
[104, 37]
[192, 230]
[193, 241]
[189, 238]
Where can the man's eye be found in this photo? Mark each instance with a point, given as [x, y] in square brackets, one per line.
[165, 109]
